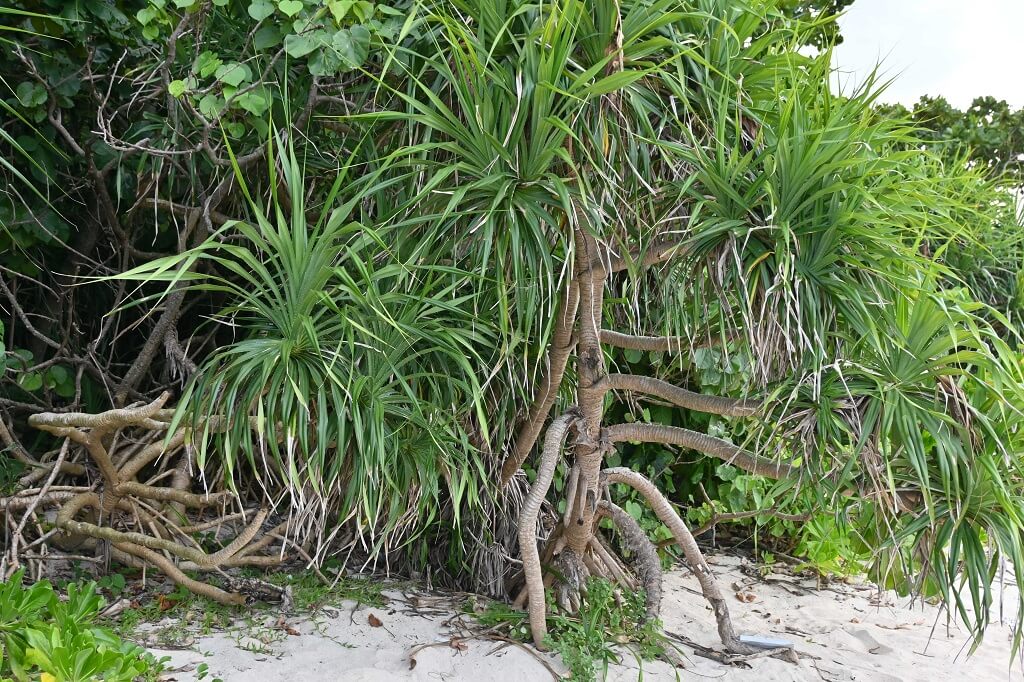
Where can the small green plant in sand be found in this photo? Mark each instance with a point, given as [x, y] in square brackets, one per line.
[609, 623]
[310, 591]
[178, 616]
[45, 637]
[185, 613]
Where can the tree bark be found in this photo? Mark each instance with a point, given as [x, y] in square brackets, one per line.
[668, 344]
[588, 449]
[576, 547]
[647, 565]
[532, 568]
[694, 557]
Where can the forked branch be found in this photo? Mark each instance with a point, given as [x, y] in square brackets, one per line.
[135, 517]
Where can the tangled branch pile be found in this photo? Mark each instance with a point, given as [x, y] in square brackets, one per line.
[154, 523]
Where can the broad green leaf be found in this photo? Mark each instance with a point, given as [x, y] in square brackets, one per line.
[290, 7]
[339, 8]
[211, 105]
[363, 10]
[30, 94]
[267, 37]
[207, 63]
[255, 101]
[30, 381]
[261, 9]
[233, 73]
[299, 45]
[352, 46]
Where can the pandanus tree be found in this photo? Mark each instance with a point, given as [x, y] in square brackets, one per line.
[664, 176]
[569, 182]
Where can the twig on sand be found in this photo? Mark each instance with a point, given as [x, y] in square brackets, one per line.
[507, 641]
[455, 642]
[783, 652]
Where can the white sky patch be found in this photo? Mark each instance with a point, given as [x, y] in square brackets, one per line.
[960, 50]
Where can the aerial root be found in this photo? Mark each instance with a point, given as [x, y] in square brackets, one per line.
[694, 557]
[571, 569]
[571, 586]
[528, 524]
[647, 565]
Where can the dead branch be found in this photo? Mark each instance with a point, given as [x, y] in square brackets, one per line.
[130, 516]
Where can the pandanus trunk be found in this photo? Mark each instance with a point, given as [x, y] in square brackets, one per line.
[589, 448]
[575, 550]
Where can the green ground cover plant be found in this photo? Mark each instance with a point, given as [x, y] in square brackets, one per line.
[62, 640]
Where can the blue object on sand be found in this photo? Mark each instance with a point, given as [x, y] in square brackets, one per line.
[766, 642]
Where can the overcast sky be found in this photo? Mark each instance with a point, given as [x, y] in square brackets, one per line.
[960, 49]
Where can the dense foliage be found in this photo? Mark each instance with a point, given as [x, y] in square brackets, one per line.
[988, 136]
[348, 227]
[989, 133]
[821, 15]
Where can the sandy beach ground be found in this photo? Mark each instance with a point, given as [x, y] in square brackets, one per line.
[841, 631]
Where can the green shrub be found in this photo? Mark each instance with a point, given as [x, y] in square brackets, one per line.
[350, 365]
[45, 637]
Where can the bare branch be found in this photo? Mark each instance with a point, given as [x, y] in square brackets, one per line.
[670, 344]
[127, 416]
[16, 536]
[24, 318]
[167, 566]
[215, 217]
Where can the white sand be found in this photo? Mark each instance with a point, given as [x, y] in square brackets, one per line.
[842, 632]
